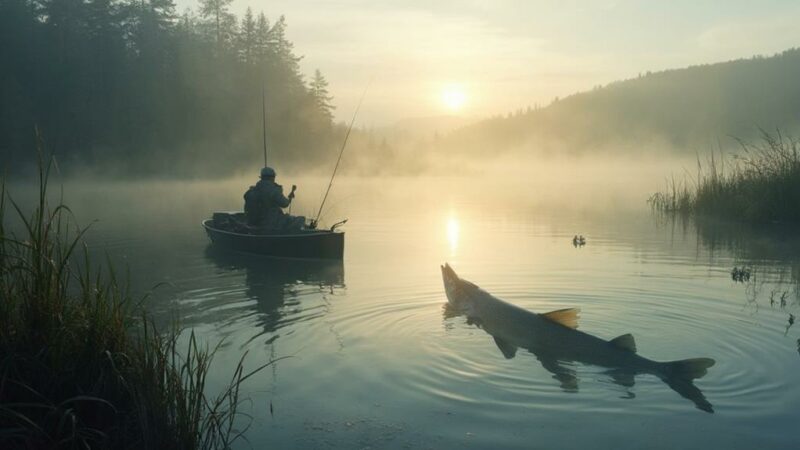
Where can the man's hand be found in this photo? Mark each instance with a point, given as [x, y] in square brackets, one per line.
[291, 194]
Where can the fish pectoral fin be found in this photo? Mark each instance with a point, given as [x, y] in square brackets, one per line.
[566, 377]
[625, 342]
[567, 317]
[509, 350]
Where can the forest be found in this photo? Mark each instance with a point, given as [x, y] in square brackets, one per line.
[132, 87]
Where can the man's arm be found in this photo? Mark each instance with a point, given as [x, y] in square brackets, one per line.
[281, 199]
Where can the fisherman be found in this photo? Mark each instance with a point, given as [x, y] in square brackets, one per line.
[263, 205]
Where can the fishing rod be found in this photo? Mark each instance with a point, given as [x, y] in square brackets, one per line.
[264, 123]
[341, 152]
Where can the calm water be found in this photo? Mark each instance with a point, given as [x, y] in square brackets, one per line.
[376, 363]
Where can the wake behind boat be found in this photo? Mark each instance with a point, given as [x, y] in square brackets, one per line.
[230, 230]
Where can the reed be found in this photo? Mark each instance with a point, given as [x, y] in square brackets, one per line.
[81, 363]
[761, 184]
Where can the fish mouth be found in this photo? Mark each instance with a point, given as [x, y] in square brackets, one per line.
[451, 283]
[448, 272]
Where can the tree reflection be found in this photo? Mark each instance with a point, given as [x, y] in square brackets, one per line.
[767, 258]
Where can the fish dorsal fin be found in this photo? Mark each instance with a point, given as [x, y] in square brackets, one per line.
[508, 350]
[567, 317]
[624, 342]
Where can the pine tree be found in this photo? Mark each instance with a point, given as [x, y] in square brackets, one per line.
[284, 50]
[229, 32]
[263, 48]
[247, 37]
[151, 26]
[319, 90]
[217, 10]
[164, 12]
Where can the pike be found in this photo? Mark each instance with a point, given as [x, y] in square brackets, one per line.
[553, 338]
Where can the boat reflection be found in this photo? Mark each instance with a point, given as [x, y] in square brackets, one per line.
[286, 291]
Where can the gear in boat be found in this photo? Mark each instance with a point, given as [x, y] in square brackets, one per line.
[236, 222]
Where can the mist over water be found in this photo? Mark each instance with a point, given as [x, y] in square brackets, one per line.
[376, 361]
[518, 142]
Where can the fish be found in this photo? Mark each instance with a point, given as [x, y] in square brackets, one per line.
[553, 338]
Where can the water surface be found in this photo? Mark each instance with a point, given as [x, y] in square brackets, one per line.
[377, 363]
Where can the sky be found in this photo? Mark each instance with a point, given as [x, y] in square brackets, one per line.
[478, 58]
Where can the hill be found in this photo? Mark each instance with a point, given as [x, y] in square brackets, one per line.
[684, 110]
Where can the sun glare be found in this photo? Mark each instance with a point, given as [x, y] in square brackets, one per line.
[454, 97]
[453, 230]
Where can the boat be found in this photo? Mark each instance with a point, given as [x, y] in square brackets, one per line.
[227, 230]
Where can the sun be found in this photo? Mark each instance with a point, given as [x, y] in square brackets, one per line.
[454, 97]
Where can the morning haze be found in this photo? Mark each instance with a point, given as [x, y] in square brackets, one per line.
[399, 224]
[511, 54]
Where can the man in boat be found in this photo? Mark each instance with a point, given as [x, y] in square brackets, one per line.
[263, 205]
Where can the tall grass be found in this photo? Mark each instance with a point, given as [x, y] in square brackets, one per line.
[81, 364]
[760, 185]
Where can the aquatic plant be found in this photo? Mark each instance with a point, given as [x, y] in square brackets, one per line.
[676, 198]
[81, 363]
[762, 184]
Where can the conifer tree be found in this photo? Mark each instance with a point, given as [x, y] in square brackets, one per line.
[319, 90]
[247, 37]
[263, 49]
[284, 50]
[216, 10]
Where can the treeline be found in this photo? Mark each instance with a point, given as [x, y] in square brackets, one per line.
[134, 87]
[684, 110]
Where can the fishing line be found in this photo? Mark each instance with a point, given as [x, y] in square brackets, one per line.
[264, 123]
[341, 152]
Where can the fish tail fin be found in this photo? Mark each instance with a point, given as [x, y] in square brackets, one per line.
[679, 375]
[688, 369]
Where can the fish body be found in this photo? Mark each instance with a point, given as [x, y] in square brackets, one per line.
[554, 339]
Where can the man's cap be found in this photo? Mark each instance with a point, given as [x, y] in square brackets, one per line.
[267, 172]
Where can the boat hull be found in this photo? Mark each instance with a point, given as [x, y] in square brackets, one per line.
[316, 244]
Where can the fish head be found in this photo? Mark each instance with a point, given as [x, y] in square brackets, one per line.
[460, 293]
[450, 280]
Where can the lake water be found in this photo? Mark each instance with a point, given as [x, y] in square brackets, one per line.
[375, 361]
